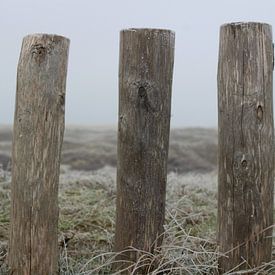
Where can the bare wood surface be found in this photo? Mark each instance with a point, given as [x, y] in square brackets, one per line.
[37, 140]
[246, 145]
[145, 82]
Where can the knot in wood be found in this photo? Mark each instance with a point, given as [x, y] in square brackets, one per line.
[260, 112]
[241, 165]
[39, 52]
[141, 92]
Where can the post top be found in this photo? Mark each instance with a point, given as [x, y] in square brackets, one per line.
[147, 30]
[54, 37]
[245, 24]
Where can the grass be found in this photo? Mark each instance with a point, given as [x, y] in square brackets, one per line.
[86, 225]
[87, 214]
[87, 206]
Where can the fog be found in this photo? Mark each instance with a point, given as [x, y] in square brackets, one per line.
[93, 28]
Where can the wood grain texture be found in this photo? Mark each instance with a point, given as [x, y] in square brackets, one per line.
[37, 140]
[145, 83]
[246, 144]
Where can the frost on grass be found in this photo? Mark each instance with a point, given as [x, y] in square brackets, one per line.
[4, 217]
[87, 224]
[87, 216]
[87, 205]
[189, 245]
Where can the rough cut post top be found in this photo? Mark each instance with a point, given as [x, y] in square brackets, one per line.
[163, 37]
[40, 47]
[44, 36]
[247, 25]
[145, 30]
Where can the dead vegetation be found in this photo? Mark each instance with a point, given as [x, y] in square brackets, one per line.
[87, 206]
[90, 149]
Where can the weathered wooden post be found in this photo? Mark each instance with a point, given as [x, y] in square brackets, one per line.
[37, 140]
[246, 145]
[145, 82]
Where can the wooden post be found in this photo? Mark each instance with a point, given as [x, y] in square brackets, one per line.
[246, 145]
[145, 82]
[37, 140]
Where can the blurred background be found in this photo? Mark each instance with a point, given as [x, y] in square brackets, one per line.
[93, 28]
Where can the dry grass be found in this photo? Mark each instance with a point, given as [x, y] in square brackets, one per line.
[189, 240]
[87, 205]
[192, 149]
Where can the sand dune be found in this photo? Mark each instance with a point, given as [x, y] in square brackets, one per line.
[91, 148]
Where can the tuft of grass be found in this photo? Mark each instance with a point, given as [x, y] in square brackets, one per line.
[87, 223]
[189, 239]
[189, 236]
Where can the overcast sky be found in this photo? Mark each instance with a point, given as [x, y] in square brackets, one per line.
[93, 28]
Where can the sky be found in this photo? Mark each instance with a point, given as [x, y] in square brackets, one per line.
[93, 28]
